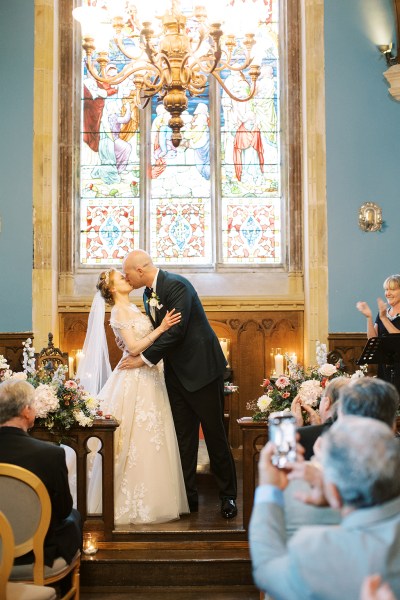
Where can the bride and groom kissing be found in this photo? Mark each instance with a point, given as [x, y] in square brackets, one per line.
[156, 444]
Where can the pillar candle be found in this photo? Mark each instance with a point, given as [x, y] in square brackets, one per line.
[293, 358]
[279, 364]
[71, 366]
[78, 357]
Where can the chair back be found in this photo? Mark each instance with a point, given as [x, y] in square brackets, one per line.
[50, 358]
[25, 502]
[6, 553]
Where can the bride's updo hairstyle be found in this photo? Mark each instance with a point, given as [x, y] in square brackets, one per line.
[105, 282]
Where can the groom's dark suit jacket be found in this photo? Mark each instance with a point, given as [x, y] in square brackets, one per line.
[47, 461]
[190, 348]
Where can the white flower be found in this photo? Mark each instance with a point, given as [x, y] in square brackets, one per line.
[321, 353]
[82, 419]
[3, 362]
[263, 402]
[6, 375]
[92, 403]
[46, 400]
[153, 302]
[327, 370]
[358, 374]
[310, 391]
[18, 376]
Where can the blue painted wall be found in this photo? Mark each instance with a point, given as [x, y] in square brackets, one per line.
[363, 155]
[16, 139]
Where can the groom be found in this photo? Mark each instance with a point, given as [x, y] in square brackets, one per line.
[194, 366]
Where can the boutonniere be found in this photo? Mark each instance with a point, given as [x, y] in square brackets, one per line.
[154, 301]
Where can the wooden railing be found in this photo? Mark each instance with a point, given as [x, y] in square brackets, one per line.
[77, 438]
[255, 436]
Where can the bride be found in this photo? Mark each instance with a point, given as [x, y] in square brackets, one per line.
[148, 483]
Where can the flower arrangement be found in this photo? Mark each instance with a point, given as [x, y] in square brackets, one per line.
[308, 383]
[59, 403]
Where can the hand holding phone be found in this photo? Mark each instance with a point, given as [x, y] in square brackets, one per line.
[282, 433]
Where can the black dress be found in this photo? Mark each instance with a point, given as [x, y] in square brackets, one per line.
[386, 372]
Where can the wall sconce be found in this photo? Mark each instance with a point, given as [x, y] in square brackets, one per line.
[370, 217]
[386, 51]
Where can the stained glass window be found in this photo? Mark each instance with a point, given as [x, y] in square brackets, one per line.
[192, 210]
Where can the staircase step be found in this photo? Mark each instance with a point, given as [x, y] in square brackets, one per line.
[168, 564]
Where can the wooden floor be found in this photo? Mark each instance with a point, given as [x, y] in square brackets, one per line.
[202, 556]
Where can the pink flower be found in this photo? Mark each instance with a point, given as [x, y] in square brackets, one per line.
[265, 383]
[71, 385]
[285, 395]
[282, 382]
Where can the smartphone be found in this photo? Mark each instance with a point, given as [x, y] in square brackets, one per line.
[282, 432]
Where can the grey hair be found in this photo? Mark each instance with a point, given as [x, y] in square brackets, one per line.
[14, 396]
[370, 397]
[392, 282]
[361, 457]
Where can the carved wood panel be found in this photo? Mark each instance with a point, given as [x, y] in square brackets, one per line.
[11, 348]
[348, 347]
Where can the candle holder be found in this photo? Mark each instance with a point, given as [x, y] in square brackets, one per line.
[272, 361]
[89, 546]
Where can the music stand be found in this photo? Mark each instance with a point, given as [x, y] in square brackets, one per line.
[383, 350]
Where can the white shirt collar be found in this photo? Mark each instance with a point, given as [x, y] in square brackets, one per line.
[154, 284]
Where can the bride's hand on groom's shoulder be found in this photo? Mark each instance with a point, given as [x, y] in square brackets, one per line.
[131, 362]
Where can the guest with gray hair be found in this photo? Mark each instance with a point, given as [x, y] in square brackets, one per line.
[370, 397]
[361, 462]
[44, 459]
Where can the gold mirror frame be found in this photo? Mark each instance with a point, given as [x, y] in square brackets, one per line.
[370, 217]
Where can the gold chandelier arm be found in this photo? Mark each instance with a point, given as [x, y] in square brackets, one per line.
[123, 74]
[121, 46]
[253, 87]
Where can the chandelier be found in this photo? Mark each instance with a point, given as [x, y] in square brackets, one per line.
[175, 58]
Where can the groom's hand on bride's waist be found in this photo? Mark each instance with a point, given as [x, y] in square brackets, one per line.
[131, 362]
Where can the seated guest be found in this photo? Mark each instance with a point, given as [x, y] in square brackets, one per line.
[319, 422]
[367, 397]
[360, 459]
[44, 459]
[370, 397]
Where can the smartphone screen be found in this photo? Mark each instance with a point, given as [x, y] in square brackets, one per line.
[282, 432]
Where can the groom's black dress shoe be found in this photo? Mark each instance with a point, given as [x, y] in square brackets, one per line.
[228, 508]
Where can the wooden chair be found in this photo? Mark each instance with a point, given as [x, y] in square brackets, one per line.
[26, 503]
[16, 591]
[51, 358]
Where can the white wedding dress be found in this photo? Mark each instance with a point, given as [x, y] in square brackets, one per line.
[148, 485]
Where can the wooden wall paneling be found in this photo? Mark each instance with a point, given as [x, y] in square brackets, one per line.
[348, 347]
[11, 347]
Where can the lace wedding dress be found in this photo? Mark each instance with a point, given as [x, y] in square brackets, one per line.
[149, 486]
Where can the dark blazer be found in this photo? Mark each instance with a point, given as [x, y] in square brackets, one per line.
[191, 348]
[47, 461]
[309, 435]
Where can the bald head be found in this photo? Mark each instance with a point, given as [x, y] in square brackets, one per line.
[139, 268]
